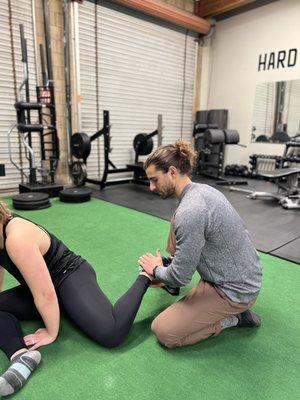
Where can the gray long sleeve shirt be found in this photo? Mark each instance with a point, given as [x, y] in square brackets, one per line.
[212, 239]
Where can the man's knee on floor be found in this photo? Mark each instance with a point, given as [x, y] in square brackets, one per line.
[163, 334]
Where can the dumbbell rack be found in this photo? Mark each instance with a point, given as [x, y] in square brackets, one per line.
[263, 162]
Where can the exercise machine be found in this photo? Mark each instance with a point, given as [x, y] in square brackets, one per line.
[210, 138]
[286, 176]
[40, 174]
[81, 148]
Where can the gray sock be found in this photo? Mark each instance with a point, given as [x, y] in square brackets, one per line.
[229, 322]
[20, 369]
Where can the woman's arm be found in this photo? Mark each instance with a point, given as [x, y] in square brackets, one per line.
[2, 270]
[26, 255]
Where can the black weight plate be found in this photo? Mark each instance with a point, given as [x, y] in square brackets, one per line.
[74, 199]
[78, 173]
[32, 206]
[80, 145]
[145, 147]
[31, 201]
[30, 197]
[75, 195]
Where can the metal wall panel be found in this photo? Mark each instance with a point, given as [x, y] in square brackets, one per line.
[21, 14]
[145, 67]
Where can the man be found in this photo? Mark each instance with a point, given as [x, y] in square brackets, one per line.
[206, 235]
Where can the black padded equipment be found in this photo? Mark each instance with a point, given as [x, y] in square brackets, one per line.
[75, 195]
[231, 136]
[214, 136]
[31, 201]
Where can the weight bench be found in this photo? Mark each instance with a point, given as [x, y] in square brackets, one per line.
[288, 193]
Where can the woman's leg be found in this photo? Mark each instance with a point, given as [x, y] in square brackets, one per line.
[86, 304]
[23, 361]
[19, 302]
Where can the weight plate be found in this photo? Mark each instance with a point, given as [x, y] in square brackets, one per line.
[142, 146]
[30, 197]
[31, 201]
[75, 195]
[78, 173]
[80, 145]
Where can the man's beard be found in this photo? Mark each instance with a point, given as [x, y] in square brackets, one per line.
[168, 192]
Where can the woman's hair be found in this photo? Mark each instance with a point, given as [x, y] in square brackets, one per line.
[181, 155]
[5, 213]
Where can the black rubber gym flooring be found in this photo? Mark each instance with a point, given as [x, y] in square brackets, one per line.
[273, 229]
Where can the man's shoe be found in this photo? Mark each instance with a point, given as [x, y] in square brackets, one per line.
[166, 261]
[171, 290]
[248, 319]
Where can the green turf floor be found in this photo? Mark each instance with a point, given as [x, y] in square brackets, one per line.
[239, 364]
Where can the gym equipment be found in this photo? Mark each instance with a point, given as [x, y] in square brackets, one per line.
[46, 131]
[31, 201]
[210, 134]
[288, 194]
[280, 137]
[262, 138]
[81, 147]
[237, 170]
[143, 145]
[285, 172]
[75, 195]
[79, 173]
[263, 162]
[210, 141]
[291, 154]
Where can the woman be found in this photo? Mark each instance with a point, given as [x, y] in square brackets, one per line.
[51, 276]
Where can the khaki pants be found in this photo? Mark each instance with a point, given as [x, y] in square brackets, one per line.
[196, 316]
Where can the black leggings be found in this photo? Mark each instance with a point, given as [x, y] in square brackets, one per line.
[81, 298]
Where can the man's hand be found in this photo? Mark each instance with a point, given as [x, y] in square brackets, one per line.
[40, 338]
[148, 261]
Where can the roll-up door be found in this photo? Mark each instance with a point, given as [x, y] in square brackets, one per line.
[21, 14]
[136, 67]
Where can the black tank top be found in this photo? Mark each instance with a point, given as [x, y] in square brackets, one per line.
[59, 259]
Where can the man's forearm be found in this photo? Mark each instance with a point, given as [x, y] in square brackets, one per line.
[166, 276]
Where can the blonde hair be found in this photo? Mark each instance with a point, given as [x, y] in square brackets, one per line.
[181, 155]
[5, 214]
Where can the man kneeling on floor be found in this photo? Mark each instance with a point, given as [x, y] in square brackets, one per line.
[206, 235]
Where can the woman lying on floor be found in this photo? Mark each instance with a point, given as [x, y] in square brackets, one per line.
[52, 276]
